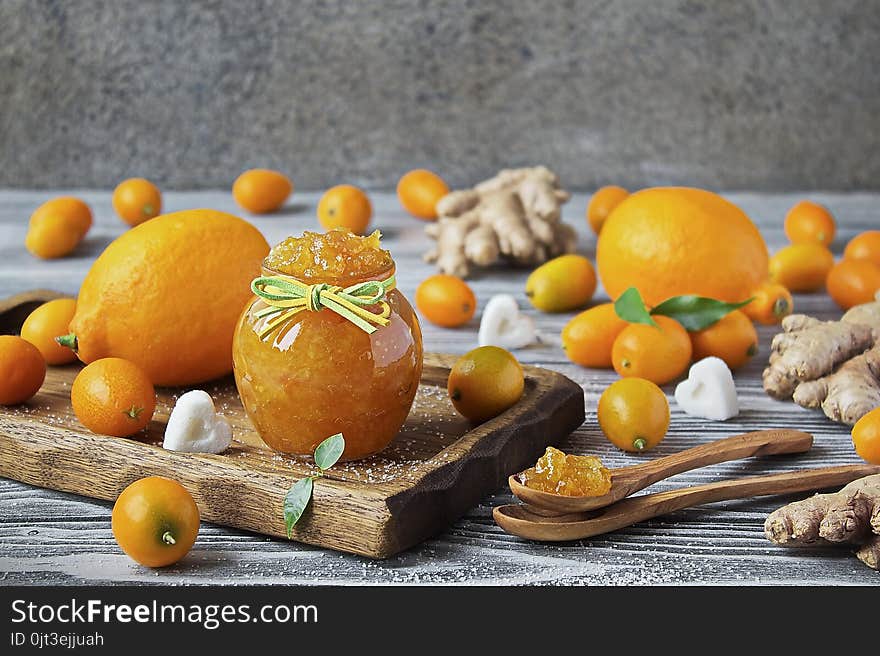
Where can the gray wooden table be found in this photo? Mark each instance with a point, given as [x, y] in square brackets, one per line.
[50, 537]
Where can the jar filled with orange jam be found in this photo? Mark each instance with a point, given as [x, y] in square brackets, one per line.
[318, 373]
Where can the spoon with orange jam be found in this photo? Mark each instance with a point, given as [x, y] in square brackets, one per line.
[534, 523]
[569, 484]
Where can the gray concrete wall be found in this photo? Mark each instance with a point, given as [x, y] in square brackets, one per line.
[774, 94]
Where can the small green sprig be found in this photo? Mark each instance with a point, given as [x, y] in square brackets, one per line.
[692, 312]
[298, 497]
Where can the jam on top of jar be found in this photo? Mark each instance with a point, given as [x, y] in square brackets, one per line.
[336, 256]
[560, 473]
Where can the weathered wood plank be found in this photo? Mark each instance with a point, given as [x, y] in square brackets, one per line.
[437, 467]
[720, 543]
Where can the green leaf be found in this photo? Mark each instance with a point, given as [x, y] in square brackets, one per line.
[296, 501]
[696, 312]
[329, 451]
[630, 307]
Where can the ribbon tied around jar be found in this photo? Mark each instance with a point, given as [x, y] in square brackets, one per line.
[286, 297]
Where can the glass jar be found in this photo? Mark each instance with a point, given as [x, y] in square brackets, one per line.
[318, 373]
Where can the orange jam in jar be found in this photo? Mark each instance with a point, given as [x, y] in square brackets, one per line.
[317, 373]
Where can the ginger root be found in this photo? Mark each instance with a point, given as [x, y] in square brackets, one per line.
[808, 349]
[515, 215]
[829, 364]
[849, 393]
[851, 516]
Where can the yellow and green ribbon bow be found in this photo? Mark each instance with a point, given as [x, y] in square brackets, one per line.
[286, 297]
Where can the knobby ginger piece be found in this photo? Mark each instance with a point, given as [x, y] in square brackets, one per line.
[847, 394]
[851, 516]
[809, 349]
[867, 314]
[514, 216]
[832, 365]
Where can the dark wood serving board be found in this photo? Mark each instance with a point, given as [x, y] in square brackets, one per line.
[436, 469]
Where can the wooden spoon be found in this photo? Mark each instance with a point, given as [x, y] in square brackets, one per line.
[533, 524]
[626, 480]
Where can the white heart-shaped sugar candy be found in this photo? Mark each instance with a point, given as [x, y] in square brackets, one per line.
[504, 325]
[709, 391]
[195, 427]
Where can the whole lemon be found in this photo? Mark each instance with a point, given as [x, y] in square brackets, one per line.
[167, 295]
[564, 283]
[667, 241]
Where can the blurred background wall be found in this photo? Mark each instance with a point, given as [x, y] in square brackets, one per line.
[728, 94]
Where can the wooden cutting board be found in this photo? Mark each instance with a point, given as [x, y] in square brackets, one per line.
[437, 468]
